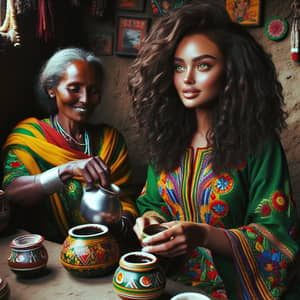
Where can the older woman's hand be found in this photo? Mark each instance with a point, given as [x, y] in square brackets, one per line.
[91, 169]
[179, 239]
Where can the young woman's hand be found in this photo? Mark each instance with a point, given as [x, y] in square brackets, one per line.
[179, 239]
[91, 169]
[141, 223]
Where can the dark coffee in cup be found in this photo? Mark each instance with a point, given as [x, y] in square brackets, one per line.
[153, 229]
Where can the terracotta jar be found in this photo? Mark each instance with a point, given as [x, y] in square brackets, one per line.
[139, 276]
[90, 251]
[28, 257]
[4, 289]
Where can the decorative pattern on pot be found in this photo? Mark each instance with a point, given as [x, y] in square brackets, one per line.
[28, 257]
[90, 251]
[139, 277]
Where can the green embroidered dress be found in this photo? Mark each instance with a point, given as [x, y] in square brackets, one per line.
[253, 202]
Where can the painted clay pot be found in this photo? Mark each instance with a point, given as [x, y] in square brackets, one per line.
[28, 257]
[139, 276]
[4, 289]
[90, 251]
[4, 211]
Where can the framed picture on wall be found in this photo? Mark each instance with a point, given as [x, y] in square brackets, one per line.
[245, 12]
[163, 7]
[131, 5]
[131, 31]
[102, 43]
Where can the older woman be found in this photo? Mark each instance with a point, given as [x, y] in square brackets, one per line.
[47, 162]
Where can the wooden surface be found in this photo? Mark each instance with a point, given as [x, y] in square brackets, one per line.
[58, 284]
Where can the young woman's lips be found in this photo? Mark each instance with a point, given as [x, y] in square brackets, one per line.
[190, 93]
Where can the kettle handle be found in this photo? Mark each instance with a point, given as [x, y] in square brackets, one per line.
[114, 189]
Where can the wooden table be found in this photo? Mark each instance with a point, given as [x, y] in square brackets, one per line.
[58, 284]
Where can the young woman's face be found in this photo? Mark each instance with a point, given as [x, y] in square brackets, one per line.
[77, 92]
[198, 71]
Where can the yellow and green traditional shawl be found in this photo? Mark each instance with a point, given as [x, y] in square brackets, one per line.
[34, 146]
[253, 202]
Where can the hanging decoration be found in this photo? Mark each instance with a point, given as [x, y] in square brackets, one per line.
[24, 6]
[97, 7]
[46, 28]
[295, 30]
[9, 29]
[276, 28]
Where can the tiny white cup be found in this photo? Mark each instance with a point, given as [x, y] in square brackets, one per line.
[190, 296]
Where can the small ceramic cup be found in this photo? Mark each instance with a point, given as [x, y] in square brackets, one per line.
[28, 257]
[190, 296]
[153, 229]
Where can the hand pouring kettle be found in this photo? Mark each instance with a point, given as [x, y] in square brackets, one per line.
[101, 205]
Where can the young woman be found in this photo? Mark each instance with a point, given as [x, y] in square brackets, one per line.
[47, 162]
[206, 97]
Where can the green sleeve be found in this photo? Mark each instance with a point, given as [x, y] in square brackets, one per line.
[265, 247]
[13, 168]
[150, 199]
[271, 204]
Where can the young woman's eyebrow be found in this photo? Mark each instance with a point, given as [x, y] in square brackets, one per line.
[178, 59]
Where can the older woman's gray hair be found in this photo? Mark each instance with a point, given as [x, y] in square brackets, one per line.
[53, 70]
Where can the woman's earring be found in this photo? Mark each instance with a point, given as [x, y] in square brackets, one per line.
[51, 95]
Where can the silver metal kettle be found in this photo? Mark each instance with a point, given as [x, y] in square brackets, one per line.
[100, 205]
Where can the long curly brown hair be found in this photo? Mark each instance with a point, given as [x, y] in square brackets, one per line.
[249, 107]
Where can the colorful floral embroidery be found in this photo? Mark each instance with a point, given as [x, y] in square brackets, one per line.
[279, 201]
[13, 169]
[15, 164]
[219, 294]
[199, 270]
[223, 183]
[265, 210]
[271, 262]
[219, 207]
[71, 187]
[205, 214]
[74, 189]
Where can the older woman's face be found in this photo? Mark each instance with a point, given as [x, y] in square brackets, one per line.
[77, 92]
[198, 71]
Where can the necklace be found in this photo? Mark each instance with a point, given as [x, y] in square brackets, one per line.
[69, 138]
